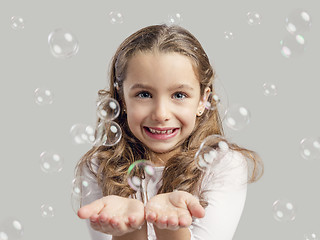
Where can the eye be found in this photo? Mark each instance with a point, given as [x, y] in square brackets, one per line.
[179, 95]
[143, 94]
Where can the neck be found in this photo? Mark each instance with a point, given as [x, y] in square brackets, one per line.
[160, 159]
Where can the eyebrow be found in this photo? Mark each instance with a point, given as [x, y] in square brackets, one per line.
[139, 85]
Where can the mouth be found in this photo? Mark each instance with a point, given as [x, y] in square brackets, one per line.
[161, 133]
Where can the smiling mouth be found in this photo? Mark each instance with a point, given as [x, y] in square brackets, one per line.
[167, 131]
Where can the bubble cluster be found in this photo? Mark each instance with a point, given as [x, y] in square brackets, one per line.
[63, 44]
[269, 89]
[51, 162]
[115, 17]
[253, 18]
[11, 229]
[175, 18]
[310, 148]
[82, 133]
[46, 211]
[212, 149]
[17, 23]
[237, 117]
[139, 170]
[43, 96]
[284, 210]
[108, 109]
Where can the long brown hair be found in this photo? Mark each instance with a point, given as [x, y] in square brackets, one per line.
[180, 172]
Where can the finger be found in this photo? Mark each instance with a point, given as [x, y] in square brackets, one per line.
[151, 217]
[90, 209]
[194, 207]
[185, 220]
[173, 223]
[162, 222]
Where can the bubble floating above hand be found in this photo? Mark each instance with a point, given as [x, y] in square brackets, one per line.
[17, 23]
[108, 109]
[136, 171]
[174, 18]
[310, 148]
[298, 21]
[43, 96]
[82, 133]
[46, 211]
[109, 133]
[237, 117]
[116, 17]
[253, 18]
[212, 149]
[269, 89]
[11, 228]
[51, 162]
[284, 210]
[63, 44]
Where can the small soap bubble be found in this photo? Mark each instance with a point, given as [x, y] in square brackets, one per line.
[116, 17]
[310, 148]
[138, 171]
[82, 133]
[43, 96]
[269, 89]
[212, 149]
[17, 23]
[237, 117]
[228, 35]
[293, 46]
[109, 133]
[284, 210]
[63, 44]
[311, 236]
[108, 109]
[298, 21]
[253, 18]
[11, 228]
[174, 18]
[213, 102]
[46, 211]
[51, 162]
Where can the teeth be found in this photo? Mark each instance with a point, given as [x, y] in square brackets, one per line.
[161, 132]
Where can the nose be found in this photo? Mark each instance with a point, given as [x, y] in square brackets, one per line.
[160, 111]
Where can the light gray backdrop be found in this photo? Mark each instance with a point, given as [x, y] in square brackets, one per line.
[244, 64]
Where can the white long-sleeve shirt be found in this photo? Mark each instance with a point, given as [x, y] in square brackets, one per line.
[227, 185]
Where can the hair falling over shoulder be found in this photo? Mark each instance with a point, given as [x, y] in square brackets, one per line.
[180, 172]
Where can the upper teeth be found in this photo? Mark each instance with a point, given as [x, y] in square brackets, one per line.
[160, 132]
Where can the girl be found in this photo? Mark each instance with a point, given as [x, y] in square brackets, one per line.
[162, 79]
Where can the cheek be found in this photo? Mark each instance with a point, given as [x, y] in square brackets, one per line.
[187, 117]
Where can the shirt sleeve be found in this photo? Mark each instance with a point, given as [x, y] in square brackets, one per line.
[227, 188]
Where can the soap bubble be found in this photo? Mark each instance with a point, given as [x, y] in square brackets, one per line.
[139, 170]
[82, 133]
[17, 23]
[284, 210]
[269, 89]
[108, 109]
[51, 162]
[253, 18]
[63, 44]
[237, 117]
[310, 236]
[310, 148]
[43, 96]
[116, 17]
[292, 46]
[109, 133]
[298, 21]
[11, 229]
[228, 35]
[174, 18]
[212, 149]
[46, 211]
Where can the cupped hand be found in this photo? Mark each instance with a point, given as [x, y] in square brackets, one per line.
[173, 210]
[114, 215]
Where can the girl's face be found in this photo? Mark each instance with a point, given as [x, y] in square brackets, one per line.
[162, 98]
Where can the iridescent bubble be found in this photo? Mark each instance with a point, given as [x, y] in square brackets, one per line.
[63, 44]
[237, 117]
[284, 210]
[51, 162]
[17, 23]
[269, 89]
[253, 18]
[11, 229]
[139, 170]
[310, 236]
[174, 18]
[292, 46]
[108, 109]
[212, 149]
[82, 133]
[46, 211]
[109, 133]
[43, 96]
[310, 148]
[298, 21]
[116, 17]
[228, 35]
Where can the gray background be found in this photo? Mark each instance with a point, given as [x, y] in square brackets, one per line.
[278, 123]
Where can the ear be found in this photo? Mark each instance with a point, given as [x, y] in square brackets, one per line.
[203, 101]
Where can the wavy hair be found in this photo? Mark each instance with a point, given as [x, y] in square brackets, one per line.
[180, 171]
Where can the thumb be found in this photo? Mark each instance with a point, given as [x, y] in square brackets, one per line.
[194, 207]
[93, 208]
